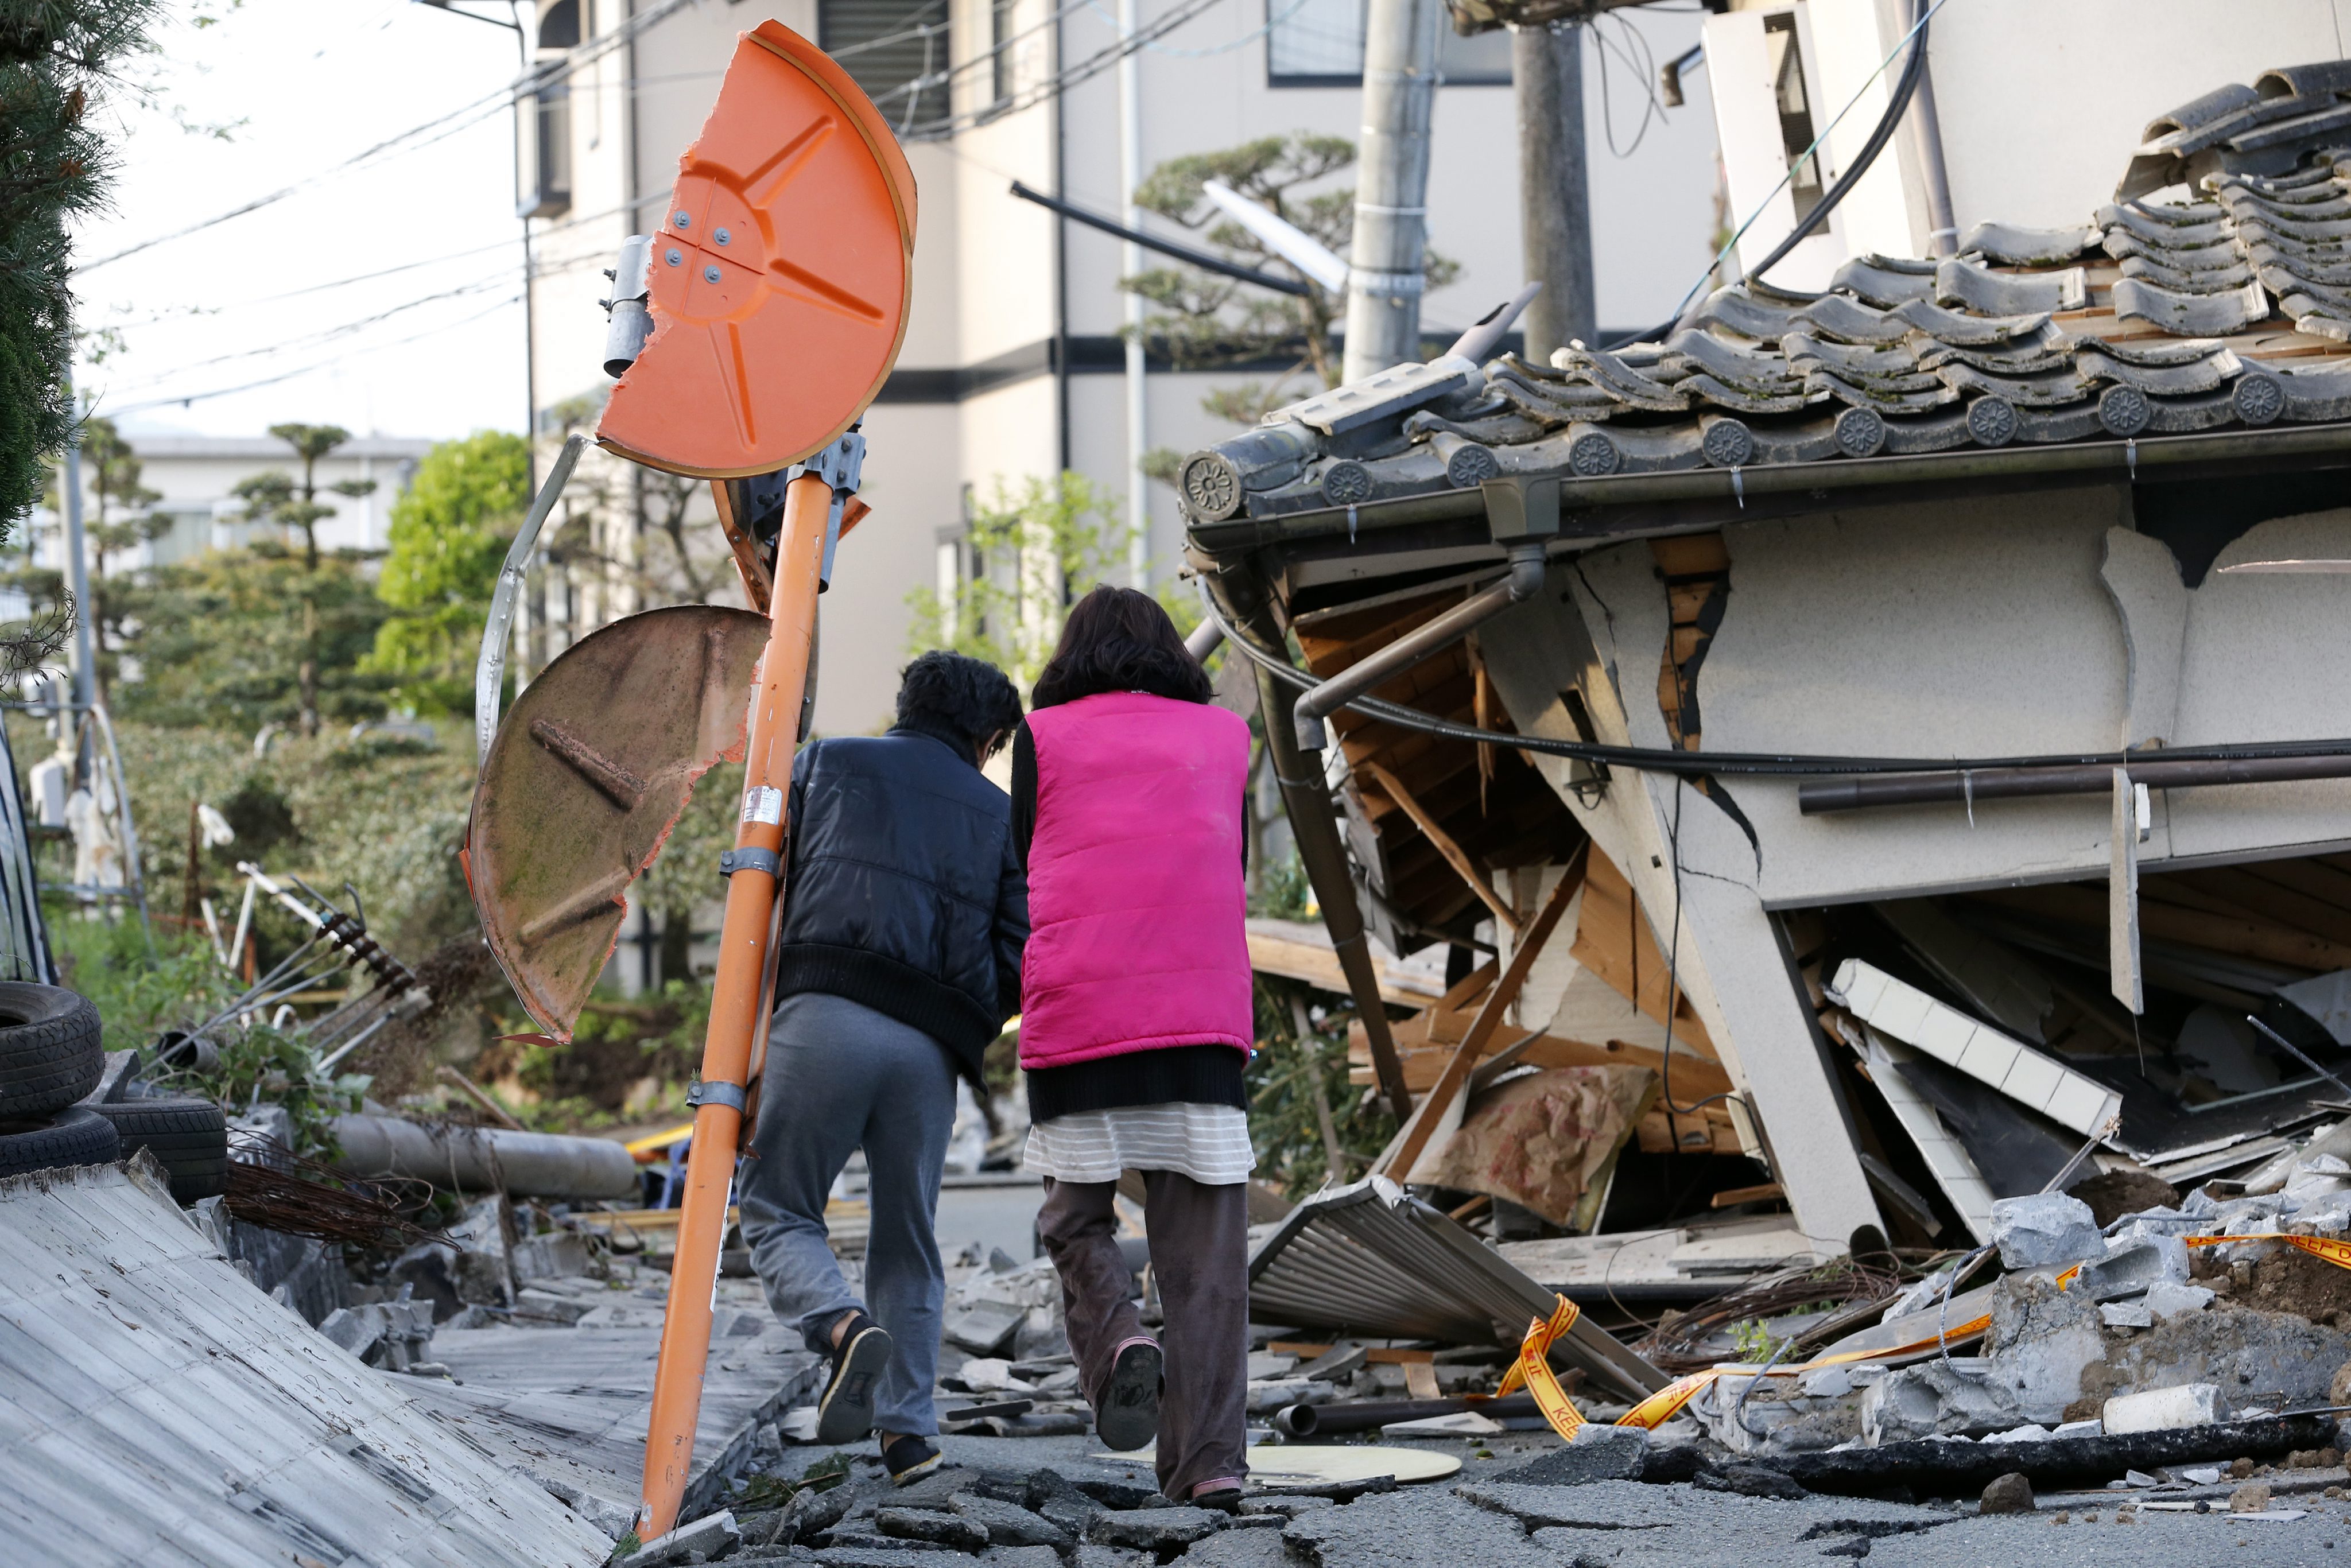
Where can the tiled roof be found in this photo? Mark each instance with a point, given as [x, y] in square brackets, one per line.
[2228, 304]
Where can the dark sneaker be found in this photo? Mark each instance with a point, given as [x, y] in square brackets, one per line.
[1126, 1417]
[846, 1414]
[908, 1459]
[1223, 1495]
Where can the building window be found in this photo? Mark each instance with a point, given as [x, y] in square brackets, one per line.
[1001, 26]
[1786, 57]
[896, 50]
[559, 26]
[1320, 43]
[543, 145]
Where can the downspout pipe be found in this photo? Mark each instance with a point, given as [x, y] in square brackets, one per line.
[1927, 138]
[1524, 582]
[1314, 826]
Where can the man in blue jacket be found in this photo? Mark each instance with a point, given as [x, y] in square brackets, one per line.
[898, 961]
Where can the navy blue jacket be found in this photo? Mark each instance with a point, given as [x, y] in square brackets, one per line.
[902, 887]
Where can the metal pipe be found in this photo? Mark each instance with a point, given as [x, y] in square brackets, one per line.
[1384, 277]
[1555, 185]
[1927, 136]
[1205, 639]
[1130, 177]
[489, 666]
[485, 1159]
[1423, 643]
[85, 667]
[1184, 252]
[1306, 799]
[1962, 785]
[1363, 1415]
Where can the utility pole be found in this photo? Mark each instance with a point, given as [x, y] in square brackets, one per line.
[85, 664]
[1554, 190]
[1384, 280]
[1130, 176]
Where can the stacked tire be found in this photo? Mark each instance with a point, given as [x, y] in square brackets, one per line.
[49, 1059]
[188, 1137]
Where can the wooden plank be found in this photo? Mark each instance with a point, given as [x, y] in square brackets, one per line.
[1299, 957]
[2245, 887]
[2122, 900]
[747, 564]
[1414, 1138]
[2261, 939]
[1394, 789]
[1614, 941]
[1730, 1197]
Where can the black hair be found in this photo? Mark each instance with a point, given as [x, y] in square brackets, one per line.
[1118, 640]
[957, 698]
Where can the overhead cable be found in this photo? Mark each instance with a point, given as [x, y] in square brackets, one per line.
[1787, 765]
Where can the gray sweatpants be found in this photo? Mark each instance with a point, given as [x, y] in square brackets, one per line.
[840, 1077]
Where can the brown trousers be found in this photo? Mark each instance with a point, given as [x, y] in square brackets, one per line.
[1199, 1260]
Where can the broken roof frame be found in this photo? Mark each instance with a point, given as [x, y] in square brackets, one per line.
[1371, 1257]
[1326, 531]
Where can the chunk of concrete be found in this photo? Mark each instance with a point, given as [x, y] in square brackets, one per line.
[2253, 1496]
[2044, 1229]
[2130, 1315]
[1009, 1524]
[1598, 1454]
[1154, 1529]
[2166, 1300]
[2163, 1409]
[949, 1529]
[1937, 1398]
[713, 1535]
[2131, 1268]
[2043, 1340]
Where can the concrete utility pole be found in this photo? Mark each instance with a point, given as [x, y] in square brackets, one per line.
[1130, 176]
[1385, 281]
[77, 564]
[1554, 192]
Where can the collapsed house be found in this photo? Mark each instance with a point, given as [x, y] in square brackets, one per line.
[1928, 706]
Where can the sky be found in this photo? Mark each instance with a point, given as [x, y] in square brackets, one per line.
[279, 93]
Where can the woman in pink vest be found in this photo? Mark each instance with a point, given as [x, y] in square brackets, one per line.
[1136, 1016]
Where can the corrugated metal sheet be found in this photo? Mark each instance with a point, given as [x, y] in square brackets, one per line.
[157, 1410]
[1375, 1260]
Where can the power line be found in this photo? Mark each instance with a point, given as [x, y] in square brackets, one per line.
[416, 137]
[186, 399]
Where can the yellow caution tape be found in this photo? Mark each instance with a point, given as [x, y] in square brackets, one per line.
[1533, 1371]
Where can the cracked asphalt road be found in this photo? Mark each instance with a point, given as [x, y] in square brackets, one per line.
[1475, 1521]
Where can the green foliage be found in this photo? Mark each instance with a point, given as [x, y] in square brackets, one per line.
[1303, 1058]
[449, 536]
[616, 1045]
[252, 637]
[137, 994]
[763, 1492]
[58, 58]
[1753, 1341]
[1034, 547]
[259, 1064]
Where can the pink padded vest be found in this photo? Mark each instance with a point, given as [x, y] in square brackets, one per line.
[1136, 900]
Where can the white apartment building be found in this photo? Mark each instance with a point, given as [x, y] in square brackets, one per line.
[2030, 103]
[1013, 366]
[198, 475]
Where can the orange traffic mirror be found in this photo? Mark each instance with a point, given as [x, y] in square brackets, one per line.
[780, 274]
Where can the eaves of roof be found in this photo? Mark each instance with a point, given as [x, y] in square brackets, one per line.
[1630, 505]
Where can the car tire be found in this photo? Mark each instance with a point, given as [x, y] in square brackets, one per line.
[188, 1137]
[80, 1137]
[49, 1050]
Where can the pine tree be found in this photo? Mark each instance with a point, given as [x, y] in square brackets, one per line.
[57, 58]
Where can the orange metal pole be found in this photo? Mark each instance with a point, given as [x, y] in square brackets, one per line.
[735, 1008]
